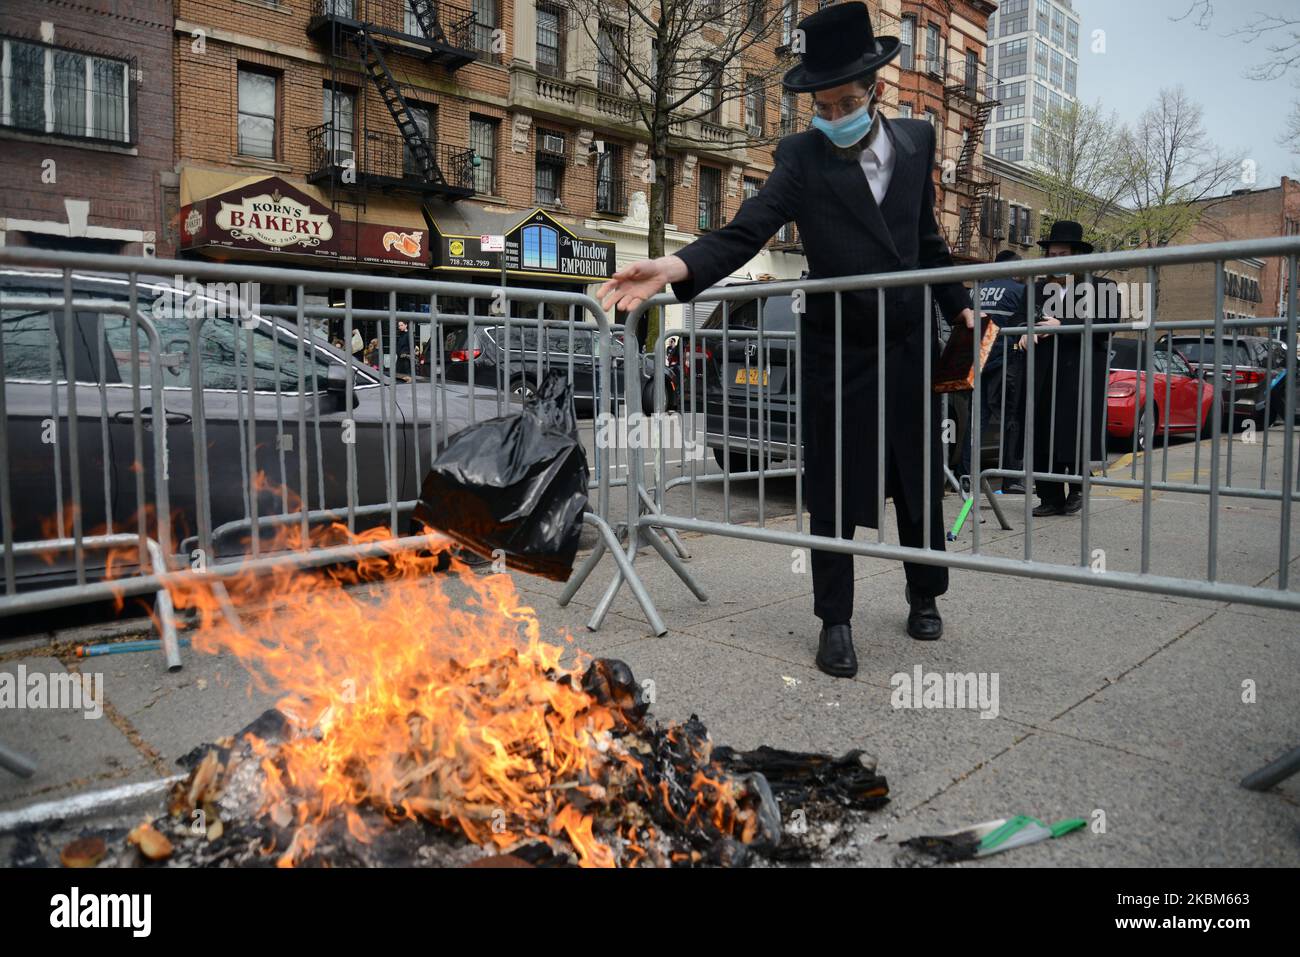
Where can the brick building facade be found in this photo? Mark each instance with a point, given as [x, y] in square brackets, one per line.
[86, 126]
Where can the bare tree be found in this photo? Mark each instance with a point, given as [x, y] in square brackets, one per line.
[1281, 36]
[677, 63]
[1172, 167]
[1082, 170]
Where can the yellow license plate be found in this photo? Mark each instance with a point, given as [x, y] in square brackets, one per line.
[753, 376]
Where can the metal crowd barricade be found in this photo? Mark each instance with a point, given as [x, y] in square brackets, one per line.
[650, 504]
[250, 421]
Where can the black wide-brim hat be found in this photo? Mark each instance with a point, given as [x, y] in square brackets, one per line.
[838, 47]
[1067, 232]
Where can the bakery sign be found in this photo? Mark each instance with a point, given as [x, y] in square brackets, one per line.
[274, 219]
[268, 215]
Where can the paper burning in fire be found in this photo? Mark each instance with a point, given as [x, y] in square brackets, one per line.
[425, 720]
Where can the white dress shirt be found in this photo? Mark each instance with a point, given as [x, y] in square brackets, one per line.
[877, 160]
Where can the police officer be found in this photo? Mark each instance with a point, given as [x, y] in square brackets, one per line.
[1004, 300]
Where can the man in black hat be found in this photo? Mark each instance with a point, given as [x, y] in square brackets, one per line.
[860, 189]
[1059, 388]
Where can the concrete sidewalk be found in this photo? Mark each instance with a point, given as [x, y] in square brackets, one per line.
[1113, 706]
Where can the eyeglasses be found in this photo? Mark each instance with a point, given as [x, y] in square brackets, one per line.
[844, 106]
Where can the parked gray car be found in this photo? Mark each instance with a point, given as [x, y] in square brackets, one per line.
[35, 344]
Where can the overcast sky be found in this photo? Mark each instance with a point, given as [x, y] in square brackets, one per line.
[1146, 49]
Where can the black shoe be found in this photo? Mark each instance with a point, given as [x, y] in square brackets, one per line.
[1013, 488]
[1073, 503]
[923, 621]
[1049, 508]
[835, 654]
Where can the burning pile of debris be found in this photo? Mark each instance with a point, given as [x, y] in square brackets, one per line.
[424, 721]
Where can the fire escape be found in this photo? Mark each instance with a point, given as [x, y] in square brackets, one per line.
[966, 91]
[362, 37]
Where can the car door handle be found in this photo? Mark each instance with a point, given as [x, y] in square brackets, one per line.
[173, 418]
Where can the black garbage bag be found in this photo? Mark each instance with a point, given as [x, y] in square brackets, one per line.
[517, 483]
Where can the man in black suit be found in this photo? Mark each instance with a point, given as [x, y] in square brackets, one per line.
[861, 191]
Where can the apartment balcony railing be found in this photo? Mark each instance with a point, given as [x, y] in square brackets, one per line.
[370, 158]
[438, 30]
[969, 84]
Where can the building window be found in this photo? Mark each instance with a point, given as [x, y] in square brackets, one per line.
[609, 45]
[972, 80]
[1043, 18]
[88, 96]
[933, 65]
[483, 141]
[1058, 67]
[611, 188]
[932, 118]
[1013, 57]
[485, 24]
[789, 112]
[711, 95]
[710, 202]
[1072, 38]
[755, 14]
[549, 181]
[550, 40]
[750, 187]
[1058, 27]
[905, 110]
[1071, 76]
[540, 247]
[257, 114]
[340, 118]
[755, 105]
[426, 121]
[789, 17]
[907, 55]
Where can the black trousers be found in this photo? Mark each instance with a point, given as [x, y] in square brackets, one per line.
[833, 571]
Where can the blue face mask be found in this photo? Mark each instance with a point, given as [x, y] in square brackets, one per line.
[848, 130]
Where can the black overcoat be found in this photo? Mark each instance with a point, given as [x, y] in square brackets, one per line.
[1058, 421]
[846, 233]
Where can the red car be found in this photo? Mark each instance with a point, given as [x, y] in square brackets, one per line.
[1126, 394]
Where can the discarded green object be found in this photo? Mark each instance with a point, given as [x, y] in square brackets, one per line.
[992, 837]
[961, 519]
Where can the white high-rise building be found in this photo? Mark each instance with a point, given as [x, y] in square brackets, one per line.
[1033, 52]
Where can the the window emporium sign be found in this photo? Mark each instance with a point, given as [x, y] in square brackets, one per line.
[535, 246]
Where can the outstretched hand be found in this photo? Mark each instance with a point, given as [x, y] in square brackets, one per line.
[635, 283]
